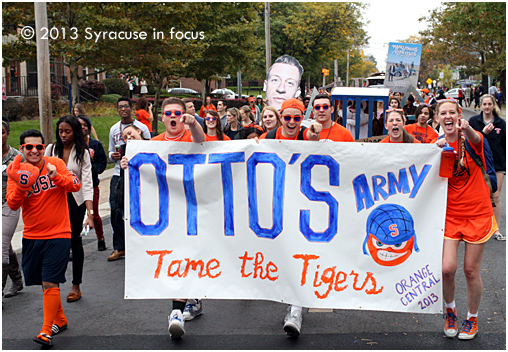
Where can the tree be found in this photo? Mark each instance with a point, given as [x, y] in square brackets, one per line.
[75, 46]
[470, 34]
[313, 33]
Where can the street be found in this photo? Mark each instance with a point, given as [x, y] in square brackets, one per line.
[103, 319]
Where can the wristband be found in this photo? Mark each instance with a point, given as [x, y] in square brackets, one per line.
[192, 124]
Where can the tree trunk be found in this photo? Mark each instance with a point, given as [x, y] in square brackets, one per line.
[73, 67]
[158, 83]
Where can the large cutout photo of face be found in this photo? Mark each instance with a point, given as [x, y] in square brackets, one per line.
[283, 81]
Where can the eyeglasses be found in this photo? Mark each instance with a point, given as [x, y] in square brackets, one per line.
[120, 107]
[297, 118]
[324, 106]
[29, 147]
[177, 113]
[213, 118]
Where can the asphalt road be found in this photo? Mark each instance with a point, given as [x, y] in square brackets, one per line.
[102, 319]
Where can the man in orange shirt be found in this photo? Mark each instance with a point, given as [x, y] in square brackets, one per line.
[332, 131]
[291, 117]
[175, 117]
[39, 186]
[207, 106]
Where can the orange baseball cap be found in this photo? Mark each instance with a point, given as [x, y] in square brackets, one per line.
[292, 103]
[250, 99]
[425, 90]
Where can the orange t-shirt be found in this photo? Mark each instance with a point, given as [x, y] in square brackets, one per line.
[336, 133]
[424, 134]
[44, 207]
[203, 108]
[387, 140]
[142, 116]
[278, 135]
[468, 193]
[215, 138]
[185, 137]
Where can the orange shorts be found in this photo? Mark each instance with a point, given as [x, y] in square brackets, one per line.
[474, 231]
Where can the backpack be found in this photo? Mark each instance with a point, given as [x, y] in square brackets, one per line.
[273, 133]
[489, 173]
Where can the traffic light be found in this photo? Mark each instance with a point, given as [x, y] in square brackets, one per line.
[325, 72]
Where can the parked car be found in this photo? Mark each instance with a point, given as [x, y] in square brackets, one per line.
[452, 93]
[244, 96]
[182, 91]
[226, 93]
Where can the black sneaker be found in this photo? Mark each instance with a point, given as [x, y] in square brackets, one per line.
[101, 245]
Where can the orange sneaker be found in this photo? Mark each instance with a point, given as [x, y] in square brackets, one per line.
[469, 329]
[450, 327]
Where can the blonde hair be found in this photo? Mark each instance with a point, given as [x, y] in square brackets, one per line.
[246, 109]
[496, 107]
[462, 147]
[272, 109]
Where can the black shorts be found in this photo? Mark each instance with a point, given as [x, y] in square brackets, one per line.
[45, 260]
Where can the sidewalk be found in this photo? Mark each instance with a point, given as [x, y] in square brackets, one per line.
[477, 111]
[104, 210]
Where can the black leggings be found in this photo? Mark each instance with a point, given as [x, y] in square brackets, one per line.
[76, 215]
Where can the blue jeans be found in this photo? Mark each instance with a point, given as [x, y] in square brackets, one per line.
[117, 223]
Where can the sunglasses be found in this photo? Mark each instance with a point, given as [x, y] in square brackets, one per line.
[392, 110]
[39, 147]
[418, 104]
[177, 113]
[448, 100]
[297, 118]
[324, 106]
[213, 118]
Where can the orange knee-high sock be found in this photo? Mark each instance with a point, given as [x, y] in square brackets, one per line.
[50, 304]
[60, 318]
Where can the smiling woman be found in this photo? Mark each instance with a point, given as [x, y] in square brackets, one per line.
[70, 146]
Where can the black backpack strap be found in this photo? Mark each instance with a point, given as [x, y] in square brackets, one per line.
[300, 134]
[272, 134]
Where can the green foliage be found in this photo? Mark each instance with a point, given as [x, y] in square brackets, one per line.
[110, 98]
[470, 34]
[313, 33]
[116, 86]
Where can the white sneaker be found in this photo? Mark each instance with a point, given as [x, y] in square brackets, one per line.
[293, 323]
[499, 236]
[193, 308]
[176, 322]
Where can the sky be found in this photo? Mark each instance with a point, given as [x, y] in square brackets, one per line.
[392, 21]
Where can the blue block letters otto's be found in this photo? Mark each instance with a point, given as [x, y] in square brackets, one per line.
[188, 161]
[225, 159]
[312, 194]
[134, 194]
[279, 179]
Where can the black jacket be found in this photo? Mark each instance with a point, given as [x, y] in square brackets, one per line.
[496, 138]
[99, 160]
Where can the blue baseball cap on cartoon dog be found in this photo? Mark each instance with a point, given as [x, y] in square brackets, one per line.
[390, 226]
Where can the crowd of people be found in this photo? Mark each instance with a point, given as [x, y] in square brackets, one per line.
[65, 175]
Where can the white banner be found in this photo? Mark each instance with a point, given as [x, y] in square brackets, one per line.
[325, 225]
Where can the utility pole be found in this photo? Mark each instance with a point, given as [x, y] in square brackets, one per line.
[268, 41]
[239, 83]
[43, 75]
[347, 71]
[336, 72]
